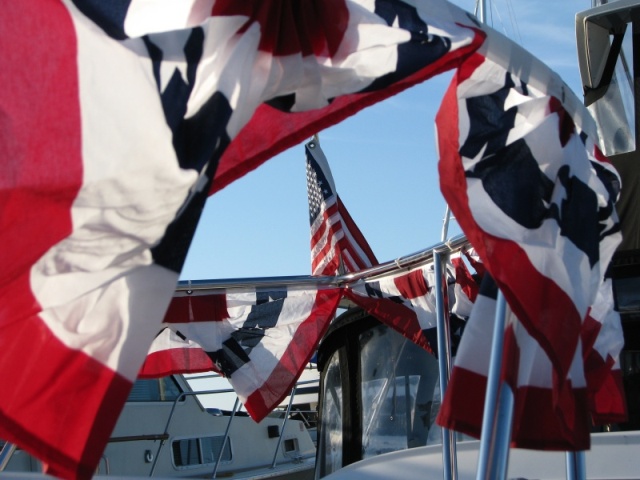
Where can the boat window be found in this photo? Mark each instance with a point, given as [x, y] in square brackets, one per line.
[330, 446]
[190, 452]
[290, 446]
[614, 109]
[155, 390]
[398, 384]
[627, 294]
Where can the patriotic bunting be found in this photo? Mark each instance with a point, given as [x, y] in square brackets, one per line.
[406, 302]
[117, 117]
[602, 342]
[260, 341]
[543, 222]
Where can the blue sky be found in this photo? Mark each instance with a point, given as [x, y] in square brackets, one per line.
[384, 163]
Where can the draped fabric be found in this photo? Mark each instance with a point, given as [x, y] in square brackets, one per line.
[530, 189]
[117, 120]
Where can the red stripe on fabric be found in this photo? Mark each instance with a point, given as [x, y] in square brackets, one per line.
[319, 263]
[511, 357]
[535, 424]
[326, 224]
[346, 255]
[544, 309]
[351, 256]
[609, 404]
[292, 27]
[469, 66]
[59, 404]
[567, 127]
[271, 131]
[349, 225]
[465, 280]
[412, 285]
[197, 308]
[463, 403]
[601, 157]
[297, 355]
[397, 316]
[596, 368]
[523, 286]
[174, 361]
[539, 425]
[40, 133]
[326, 260]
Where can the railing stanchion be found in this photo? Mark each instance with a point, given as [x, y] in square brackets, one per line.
[495, 437]
[576, 466]
[226, 437]
[449, 454]
[5, 454]
[284, 423]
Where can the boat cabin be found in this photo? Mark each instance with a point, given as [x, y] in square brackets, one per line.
[165, 431]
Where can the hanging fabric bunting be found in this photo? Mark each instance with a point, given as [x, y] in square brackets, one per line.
[535, 197]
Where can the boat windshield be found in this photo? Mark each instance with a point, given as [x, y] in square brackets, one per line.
[155, 390]
[614, 110]
[379, 393]
[397, 390]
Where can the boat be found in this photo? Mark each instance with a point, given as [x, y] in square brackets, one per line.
[165, 431]
[380, 421]
[301, 404]
[394, 435]
[381, 425]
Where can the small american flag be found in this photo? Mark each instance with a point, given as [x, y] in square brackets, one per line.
[337, 245]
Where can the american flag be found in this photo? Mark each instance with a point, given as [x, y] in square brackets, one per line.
[337, 245]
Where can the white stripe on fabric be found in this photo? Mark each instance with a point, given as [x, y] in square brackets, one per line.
[152, 16]
[474, 350]
[266, 355]
[209, 335]
[535, 368]
[168, 340]
[93, 283]
[610, 339]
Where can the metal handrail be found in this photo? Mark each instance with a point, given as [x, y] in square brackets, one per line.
[305, 281]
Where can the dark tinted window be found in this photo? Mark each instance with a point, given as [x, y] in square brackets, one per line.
[155, 390]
